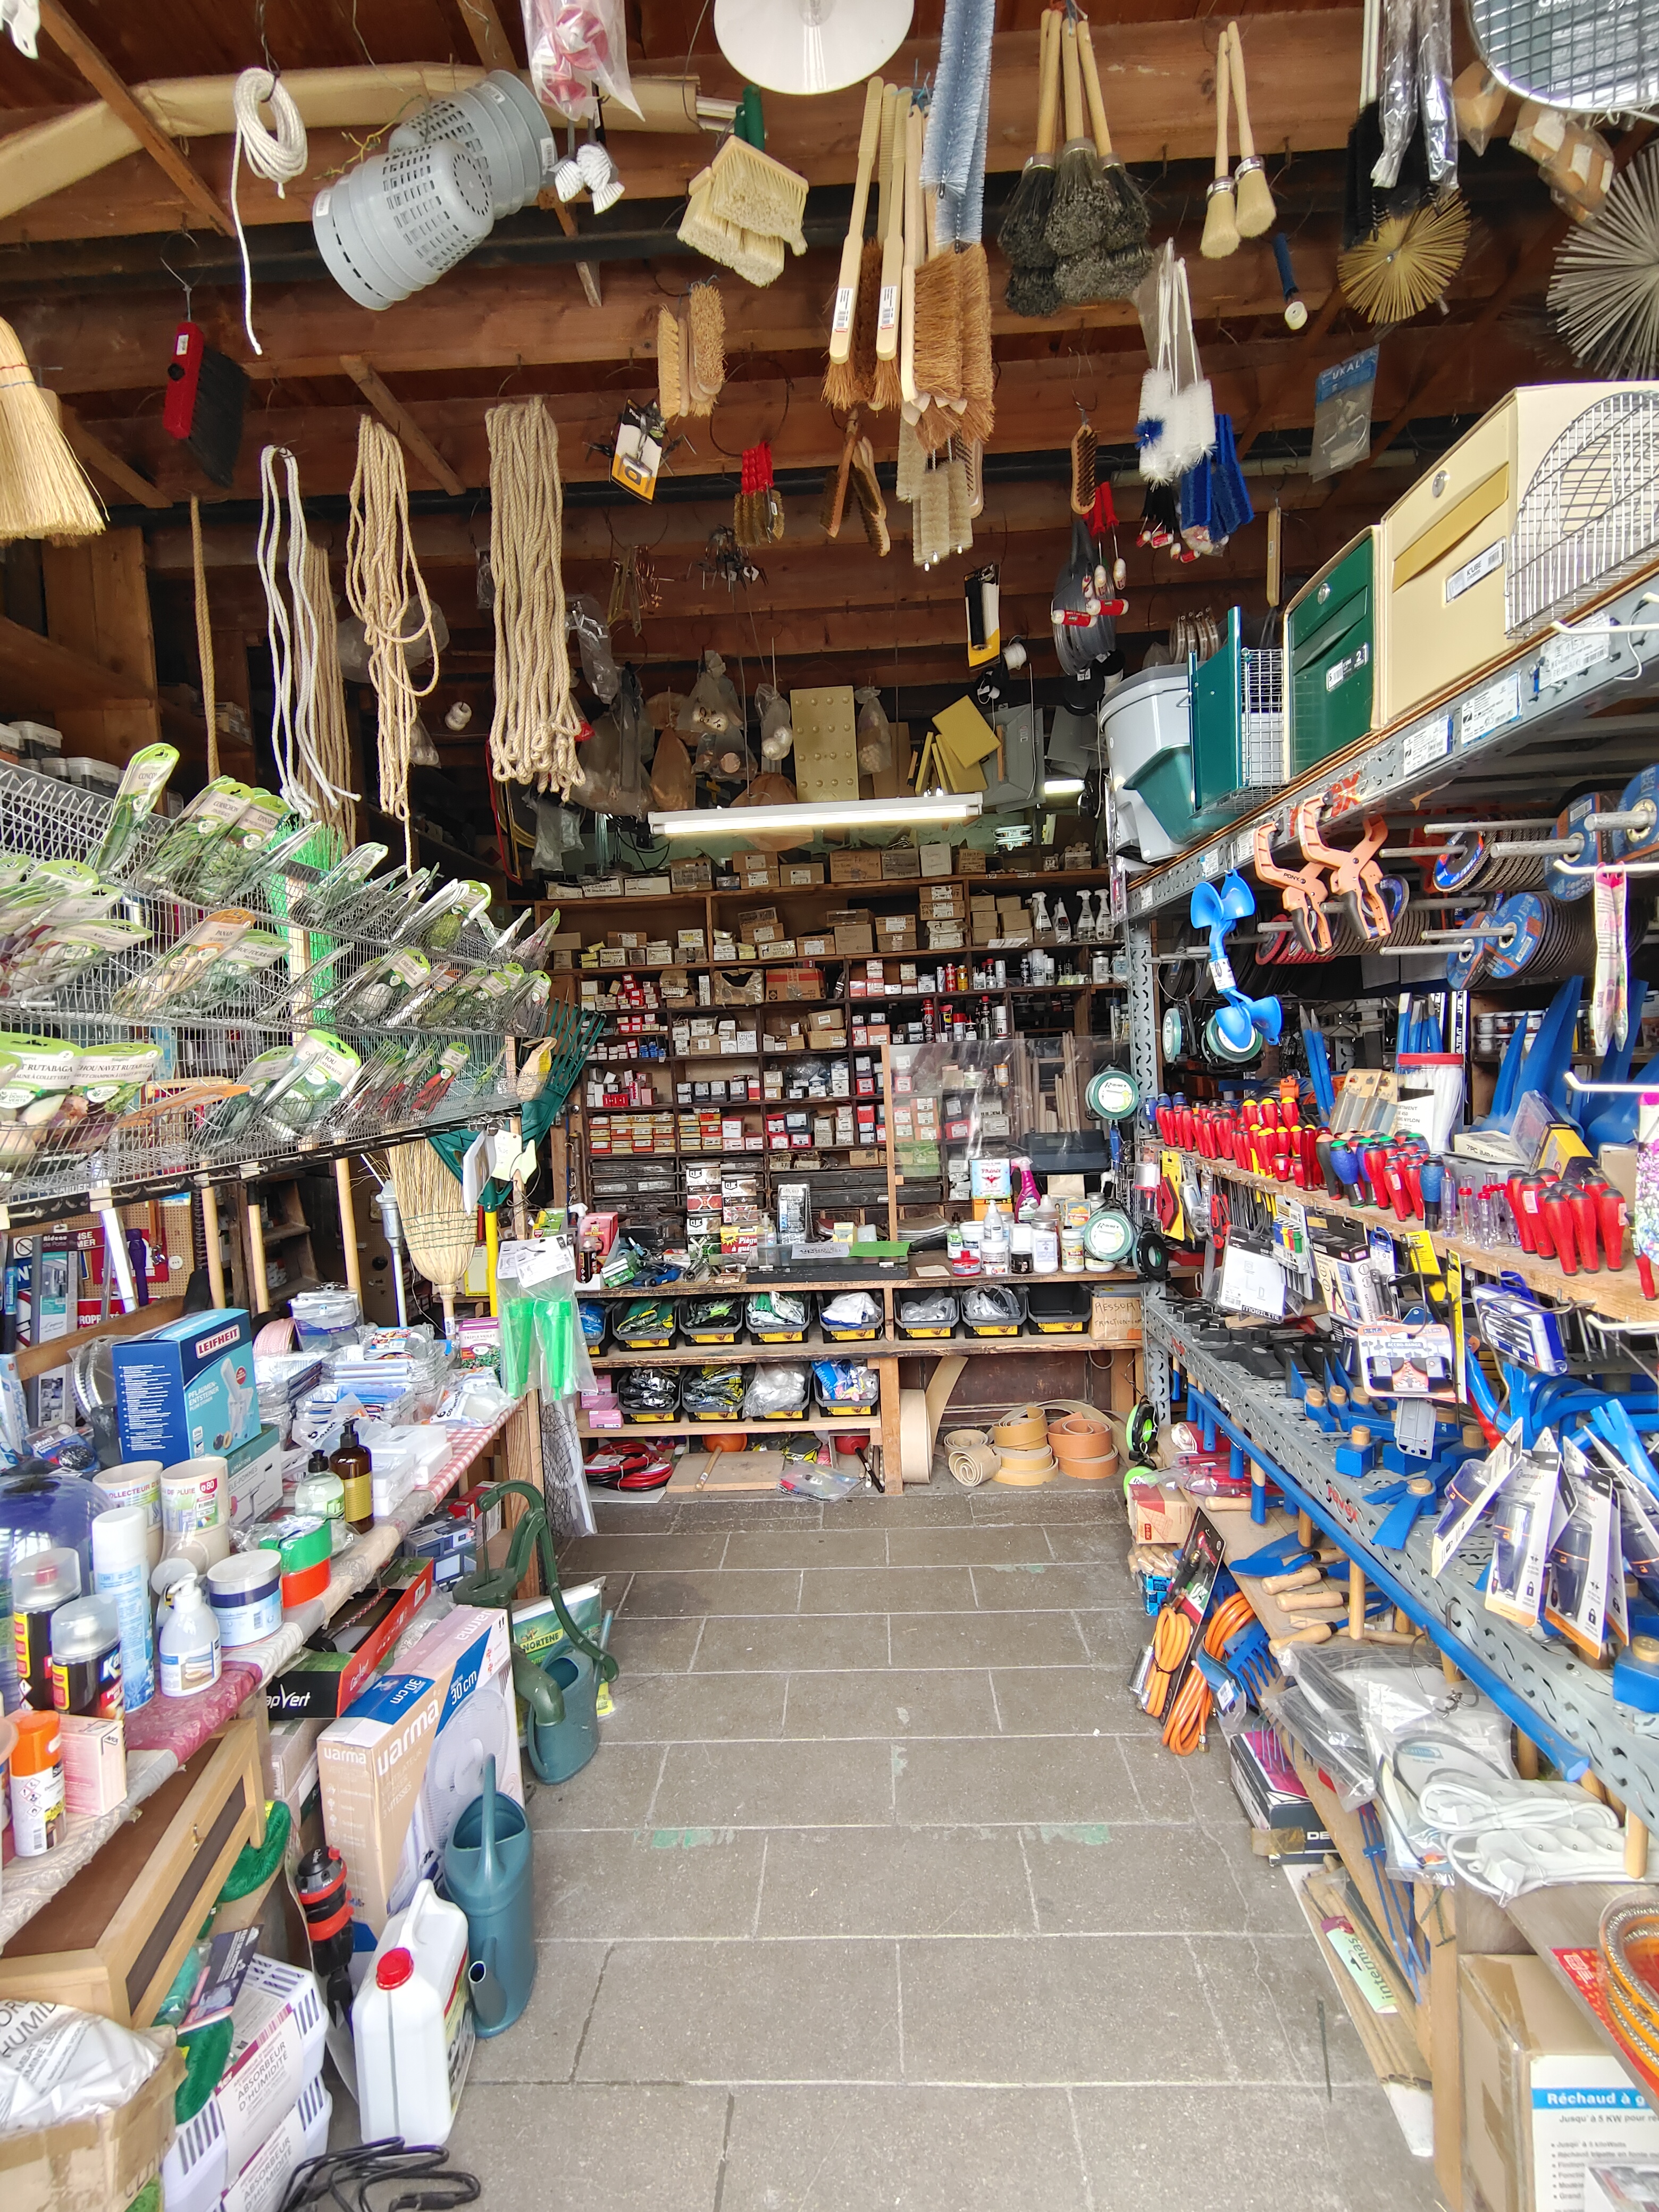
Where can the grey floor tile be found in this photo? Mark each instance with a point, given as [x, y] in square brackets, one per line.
[1016, 1779]
[1117, 1636]
[1267, 1990]
[626, 1554]
[895, 1881]
[677, 1596]
[1055, 2009]
[1251, 2150]
[1086, 1545]
[891, 1703]
[930, 1509]
[1040, 1588]
[766, 1785]
[542, 2044]
[613, 1790]
[745, 2012]
[576, 2149]
[806, 1547]
[736, 1515]
[651, 1881]
[964, 1547]
[1056, 1501]
[1129, 1877]
[694, 1708]
[634, 1515]
[885, 1590]
[986, 1639]
[1268, 1902]
[1065, 1701]
[1171, 1789]
[910, 2149]
[654, 1647]
[828, 1640]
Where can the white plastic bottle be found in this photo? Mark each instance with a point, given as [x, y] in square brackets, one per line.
[189, 1641]
[120, 1571]
[411, 2024]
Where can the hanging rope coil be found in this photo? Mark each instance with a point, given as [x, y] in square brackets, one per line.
[308, 732]
[279, 156]
[533, 736]
[388, 595]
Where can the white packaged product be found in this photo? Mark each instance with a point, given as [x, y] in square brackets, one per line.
[300, 2135]
[57, 2064]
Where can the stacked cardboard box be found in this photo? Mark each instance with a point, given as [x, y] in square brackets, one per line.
[855, 868]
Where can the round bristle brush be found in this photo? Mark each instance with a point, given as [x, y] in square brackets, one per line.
[1130, 220]
[1220, 216]
[1021, 235]
[1083, 208]
[1252, 194]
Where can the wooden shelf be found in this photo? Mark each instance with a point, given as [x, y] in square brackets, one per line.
[809, 1418]
[818, 1347]
[40, 680]
[39, 1358]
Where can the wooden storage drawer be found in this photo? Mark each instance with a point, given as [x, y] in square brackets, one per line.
[111, 1941]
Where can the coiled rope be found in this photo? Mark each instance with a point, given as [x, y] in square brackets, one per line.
[309, 732]
[278, 156]
[386, 590]
[533, 736]
[204, 640]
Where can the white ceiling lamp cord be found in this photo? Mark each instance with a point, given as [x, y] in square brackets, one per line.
[278, 156]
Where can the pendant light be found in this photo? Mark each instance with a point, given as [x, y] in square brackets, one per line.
[809, 46]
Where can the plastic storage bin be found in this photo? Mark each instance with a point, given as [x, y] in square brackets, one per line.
[1332, 647]
[844, 1333]
[1060, 1308]
[1147, 725]
[1238, 728]
[862, 1396]
[772, 1316]
[925, 1301]
[645, 1325]
[711, 1320]
[995, 1296]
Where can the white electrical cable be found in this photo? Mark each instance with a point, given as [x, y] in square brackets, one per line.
[279, 157]
[310, 776]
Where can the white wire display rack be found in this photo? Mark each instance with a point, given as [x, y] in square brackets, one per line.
[184, 1116]
[1590, 514]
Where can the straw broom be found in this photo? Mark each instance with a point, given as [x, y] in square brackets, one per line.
[1083, 209]
[841, 387]
[887, 389]
[440, 1232]
[44, 492]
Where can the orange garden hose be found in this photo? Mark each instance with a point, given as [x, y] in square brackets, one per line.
[1183, 1731]
[1172, 1639]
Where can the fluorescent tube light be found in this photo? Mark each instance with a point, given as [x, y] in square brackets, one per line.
[1063, 787]
[822, 814]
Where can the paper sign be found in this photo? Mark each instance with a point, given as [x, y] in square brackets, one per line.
[1251, 1282]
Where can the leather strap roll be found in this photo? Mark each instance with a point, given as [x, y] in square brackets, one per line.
[1022, 1428]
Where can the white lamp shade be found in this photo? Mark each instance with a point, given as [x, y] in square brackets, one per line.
[809, 46]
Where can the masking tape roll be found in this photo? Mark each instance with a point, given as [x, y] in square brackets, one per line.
[916, 1454]
[973, 1464]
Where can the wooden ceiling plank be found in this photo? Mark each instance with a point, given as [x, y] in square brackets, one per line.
[402, 424]
[94, 453]
[488, 33]
[67, 35]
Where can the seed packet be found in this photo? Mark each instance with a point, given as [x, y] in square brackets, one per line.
[142, 785]
[374, 995]
[210, 817]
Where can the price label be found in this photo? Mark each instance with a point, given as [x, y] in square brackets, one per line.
[1210, 862]
[1564, 657]
[1490, 709]
[1429, 741]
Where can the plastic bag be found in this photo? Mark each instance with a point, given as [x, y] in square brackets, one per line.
[848, 1384]
[776, 1391]
[777, 735]
[1478, 103]
[57, 2064]
[851, 1310]
[606, 783]
[584, 618]
[875, 736]
[673, 785]
[578, 49]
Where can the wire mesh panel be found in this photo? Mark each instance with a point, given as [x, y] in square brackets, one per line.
[1590, 514]
[1238, 727]
[1586, 55]
[1261, 729]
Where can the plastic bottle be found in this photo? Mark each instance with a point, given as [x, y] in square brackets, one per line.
[86, 1657]
[189, 1641]
[120, 1572]
[320, 1492]
[39, 1816]
[355, 1469]
[411, 2024]
[41, 1582]
[995, 1248]
[1045, 1240]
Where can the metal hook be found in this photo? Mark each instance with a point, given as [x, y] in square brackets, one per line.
[183, 283]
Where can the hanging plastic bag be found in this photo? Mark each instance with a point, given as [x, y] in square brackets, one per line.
[875, 736]
[1396, 95]
[673, 785]
[603, 785]
[578, 49]
[1478, 103]
[586, 619]
[1434, 93]
[776, 731]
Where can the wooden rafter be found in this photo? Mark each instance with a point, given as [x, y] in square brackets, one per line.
[67, 35]
[95, 454]
[489, 35]
[402, 425]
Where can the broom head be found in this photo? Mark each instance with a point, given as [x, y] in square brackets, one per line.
[939, 326]
[44, 492]
[1082, 209]
[1021, 236]
[1033, 291]
[1409, 263]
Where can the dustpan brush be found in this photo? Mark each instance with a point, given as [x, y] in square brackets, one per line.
[44, 492]
[840, 386]
[1252, 196]
[1079, 216]
[439, 1229]
[1220, 217]
[1021, 236]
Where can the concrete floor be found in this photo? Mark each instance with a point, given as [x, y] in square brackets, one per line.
[881, 1892]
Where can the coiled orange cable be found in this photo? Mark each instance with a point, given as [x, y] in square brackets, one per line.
[1183, 1731]
[1172, 1639]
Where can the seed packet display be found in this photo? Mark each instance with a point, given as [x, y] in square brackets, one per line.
[1521, 1525]
[1582, 1538]
[1468, 1493]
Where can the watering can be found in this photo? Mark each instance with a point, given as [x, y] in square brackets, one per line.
[488, 1868]
[538, 1688]
[558, 1751]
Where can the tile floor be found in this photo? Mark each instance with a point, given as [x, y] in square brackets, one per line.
[881, 1894]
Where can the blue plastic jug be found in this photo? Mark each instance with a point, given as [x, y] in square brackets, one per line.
[488, 1871]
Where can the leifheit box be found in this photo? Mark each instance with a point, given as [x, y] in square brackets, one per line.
[187, 1389]
[400, 1767]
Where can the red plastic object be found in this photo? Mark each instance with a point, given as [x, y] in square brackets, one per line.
[1555, 1211]
[184, 377]
[1584, 1225]
[1644, 1269]
[1532, 1188]
[1524, 1220]
[394, 1969]
[1610, 1212]
[1376, 1165]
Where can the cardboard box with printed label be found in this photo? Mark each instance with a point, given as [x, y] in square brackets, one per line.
[187, 1389]
[854, 867]
[1159, 1513]
[801, 875]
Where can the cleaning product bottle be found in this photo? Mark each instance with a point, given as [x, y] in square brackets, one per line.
[411, 2024]
[321, 1490]
[120, 1572]
[189, 1641]
[355, 1467]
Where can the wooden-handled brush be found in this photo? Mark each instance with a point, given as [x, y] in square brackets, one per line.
[912, 243]
[1220, 219]
[1252, 193]
[890, 317]
[841, 327]
[1130, 220]
[1021, 235]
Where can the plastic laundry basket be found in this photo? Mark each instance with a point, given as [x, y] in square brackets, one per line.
[502, 123]
[400, 220]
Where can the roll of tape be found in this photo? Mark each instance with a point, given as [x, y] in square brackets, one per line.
[916, 1454]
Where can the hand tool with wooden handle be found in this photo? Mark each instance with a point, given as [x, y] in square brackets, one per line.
[1316, 1631]
[889, 316]
[913, 228]
[847, 290]
[1301, 1578]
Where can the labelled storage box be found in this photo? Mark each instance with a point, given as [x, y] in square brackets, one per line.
[1238, 728]
[844, 1389]
[923, 1313]
[994, 1309]
[1147, 723]
[1446, 545]
[1057, 1308]
[644, 1325]
[1331, 649]
[778, 1316]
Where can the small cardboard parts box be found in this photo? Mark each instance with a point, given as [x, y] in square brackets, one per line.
[1544, 2099]
[397, 1771]
[105, 2159]
[1159, 1513]
[187, 1389]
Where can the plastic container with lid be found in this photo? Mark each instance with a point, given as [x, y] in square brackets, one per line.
[245, 1591]
[412, 2025]
[195, 1496]
[120, 1572]
[86, 1657]
[39, 1815]
[41, 1582]
[136, 1482]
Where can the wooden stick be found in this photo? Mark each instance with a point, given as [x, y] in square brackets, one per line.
[1304, 1531]
[354, 1258]
[1091, 89]
[215, 1258]
[259, 1289]
[889, 319]
[1356, 1604]
[1526, 1757]
[1635, 1848]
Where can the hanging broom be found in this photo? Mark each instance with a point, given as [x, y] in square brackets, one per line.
[1032, 289]
[887, 390]
[841, 380]
[978, 366]
[1083, 209]
[872, 507]
[1220, 216]
[673, 399]
[1253, 195]
[867, 311]
[440, 1232]
[44, 492]
[912, 227]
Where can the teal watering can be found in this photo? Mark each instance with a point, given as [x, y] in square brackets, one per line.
[488, 1871]
[539, 1688]
[558, 1751]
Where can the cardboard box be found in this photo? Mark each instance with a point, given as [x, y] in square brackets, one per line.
[95, 1764]
[895, 932]
[816, 947]
[187, 1389]
[846, 867]
[794, 983]
[935, 860]
[900, 864]
[854, 940]
[1159, 1513]
[324, 1676]
[738, 990]
[1622, 2189]
[106, 2159]
[800, 875]
[1544, 2099]
[691, 875]
[398, 1769]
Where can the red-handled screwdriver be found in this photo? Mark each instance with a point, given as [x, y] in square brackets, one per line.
[1524, 1220]
[1584, 1226]
[1610, 1212]
[1555, 1211]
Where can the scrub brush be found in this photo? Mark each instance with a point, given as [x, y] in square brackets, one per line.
[872, 507]
[1082, 210]
[938, 343]
[835, 484]
[1220, 217]
[747, 187]
[1021, 236]
[1253, 195]
[707, 320]
[672, 397]
[1085, 446]
[840, 387]
[886, 390]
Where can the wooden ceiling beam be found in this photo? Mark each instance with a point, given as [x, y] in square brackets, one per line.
[71, 41]
[93, 453]
[488, 33]
[402, 424]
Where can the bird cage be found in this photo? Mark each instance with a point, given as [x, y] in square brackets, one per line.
[1238, 727]
[1590, 513]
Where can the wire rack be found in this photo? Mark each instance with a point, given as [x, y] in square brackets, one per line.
[1238, 727]
[1584, 54]
[1590, 514]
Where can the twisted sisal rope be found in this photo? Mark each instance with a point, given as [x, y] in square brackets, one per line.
[532, 737]
[382, 580]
